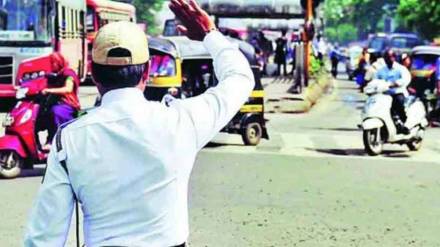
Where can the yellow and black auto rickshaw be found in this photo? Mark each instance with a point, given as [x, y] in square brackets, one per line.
[183, 68]
[426, 75]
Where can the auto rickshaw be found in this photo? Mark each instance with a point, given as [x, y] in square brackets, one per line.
[425, 75]
[183, 68]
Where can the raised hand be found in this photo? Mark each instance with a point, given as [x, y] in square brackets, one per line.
[196, 23]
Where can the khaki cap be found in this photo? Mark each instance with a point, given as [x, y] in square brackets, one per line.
[123, 35]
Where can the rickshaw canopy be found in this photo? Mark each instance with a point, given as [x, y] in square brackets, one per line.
[187, 49]
[162, 45]
[425, 49]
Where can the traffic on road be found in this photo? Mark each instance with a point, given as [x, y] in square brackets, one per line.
[335, 143]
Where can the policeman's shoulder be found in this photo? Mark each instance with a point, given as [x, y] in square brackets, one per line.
[80, 120]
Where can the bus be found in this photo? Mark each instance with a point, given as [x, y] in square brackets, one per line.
[32, 30]
[101, 12]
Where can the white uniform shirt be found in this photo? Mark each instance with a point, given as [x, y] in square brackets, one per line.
[130, 161]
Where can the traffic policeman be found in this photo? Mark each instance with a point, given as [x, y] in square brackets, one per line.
[128, 162]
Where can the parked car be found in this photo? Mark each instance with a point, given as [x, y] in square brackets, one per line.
[399, 42]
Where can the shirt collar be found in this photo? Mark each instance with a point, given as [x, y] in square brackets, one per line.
[122, 94]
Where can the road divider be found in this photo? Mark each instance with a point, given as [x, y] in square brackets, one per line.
[299, 103]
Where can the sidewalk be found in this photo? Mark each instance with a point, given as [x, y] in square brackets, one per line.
[279, 99]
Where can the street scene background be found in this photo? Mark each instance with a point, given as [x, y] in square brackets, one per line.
[312, 183]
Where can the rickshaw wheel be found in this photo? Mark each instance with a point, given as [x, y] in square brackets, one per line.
[251, 134]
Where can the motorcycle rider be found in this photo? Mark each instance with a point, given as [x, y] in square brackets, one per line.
[399, 78]
[64, 84]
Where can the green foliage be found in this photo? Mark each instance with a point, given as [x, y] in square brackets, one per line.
[146, 11]
[363, 15]
[342, 33]
[422, 16]
[316, 67]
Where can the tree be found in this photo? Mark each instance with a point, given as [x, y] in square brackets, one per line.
[422, 16]
[146, 11]
[365, 16]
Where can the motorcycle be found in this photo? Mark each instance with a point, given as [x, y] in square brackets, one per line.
[378, 125]
[20, 147]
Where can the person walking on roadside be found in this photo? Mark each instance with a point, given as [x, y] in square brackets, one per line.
[128, 162]
[334, 59]
[363, 65]
[281, 52]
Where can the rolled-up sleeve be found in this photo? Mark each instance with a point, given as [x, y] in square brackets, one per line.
[212, 110]
[51, 214]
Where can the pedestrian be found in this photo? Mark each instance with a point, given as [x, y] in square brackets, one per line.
[363, 65]
[128, 162]
[267, 48]
[334, 59]
[320, 48]
[62, 92]
[280, 53]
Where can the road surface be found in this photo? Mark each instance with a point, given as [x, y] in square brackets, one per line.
[310, 185]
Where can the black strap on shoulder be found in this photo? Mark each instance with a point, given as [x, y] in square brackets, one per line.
[59, 146]
[63, 163]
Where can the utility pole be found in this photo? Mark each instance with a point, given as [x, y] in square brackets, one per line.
[308, 42]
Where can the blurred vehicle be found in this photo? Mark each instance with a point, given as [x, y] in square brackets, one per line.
[183, 68]
[165, 69]
[20, 147]
[426, 75]
[353, 54]
[378, 124]
[100, 13]
[33, 30]
[399, 42]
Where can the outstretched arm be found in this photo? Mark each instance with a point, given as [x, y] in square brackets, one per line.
[211, 111]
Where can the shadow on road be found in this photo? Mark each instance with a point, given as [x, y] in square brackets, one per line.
[36, 172]
[338, 129]
[348, 87]
[353, 101]
[360, 152]
[218, 144]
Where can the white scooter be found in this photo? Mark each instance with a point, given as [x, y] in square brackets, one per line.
[378, 125]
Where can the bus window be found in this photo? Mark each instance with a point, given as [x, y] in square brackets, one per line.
[90, 20]
[25, 20]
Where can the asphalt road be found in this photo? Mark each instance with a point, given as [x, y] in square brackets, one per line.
[310, 185]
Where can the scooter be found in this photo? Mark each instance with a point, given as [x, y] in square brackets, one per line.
[20, 147]
[378, 125]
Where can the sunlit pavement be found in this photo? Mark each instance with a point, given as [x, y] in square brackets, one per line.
[310, 185]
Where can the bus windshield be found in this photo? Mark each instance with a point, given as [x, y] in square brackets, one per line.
[25, 21]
